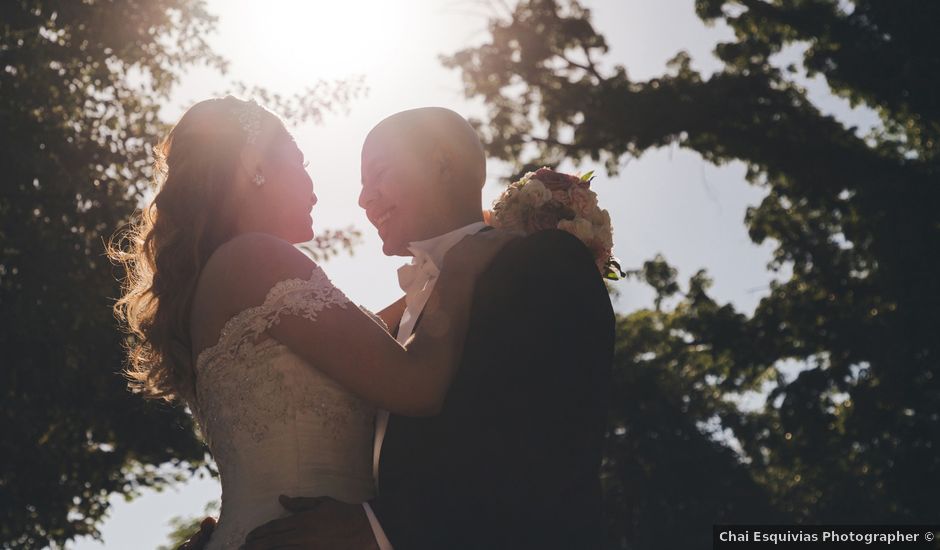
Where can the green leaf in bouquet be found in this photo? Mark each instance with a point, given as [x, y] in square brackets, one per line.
[614, 272]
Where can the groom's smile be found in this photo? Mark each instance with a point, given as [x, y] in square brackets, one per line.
[392, 196]
[380, 220]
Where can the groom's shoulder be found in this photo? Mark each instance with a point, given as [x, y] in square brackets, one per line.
[549, 246]
[545, 258]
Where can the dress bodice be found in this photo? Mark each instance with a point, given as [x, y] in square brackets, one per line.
[274, 423]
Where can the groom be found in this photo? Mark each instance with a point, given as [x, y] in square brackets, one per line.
[512, 459]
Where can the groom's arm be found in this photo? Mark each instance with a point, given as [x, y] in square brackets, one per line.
[551, 398]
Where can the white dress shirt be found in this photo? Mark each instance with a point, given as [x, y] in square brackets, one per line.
[417, 279]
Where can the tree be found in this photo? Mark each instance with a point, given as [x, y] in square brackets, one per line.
[667, 478]
[81, 86]
[853, 218]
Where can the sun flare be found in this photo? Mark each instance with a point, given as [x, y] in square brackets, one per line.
[311, 40]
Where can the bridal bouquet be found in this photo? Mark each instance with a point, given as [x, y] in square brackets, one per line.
[546, 199]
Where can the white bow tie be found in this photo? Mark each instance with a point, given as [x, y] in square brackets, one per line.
[413, 277]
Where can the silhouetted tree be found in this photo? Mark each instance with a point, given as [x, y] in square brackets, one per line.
[854, 220]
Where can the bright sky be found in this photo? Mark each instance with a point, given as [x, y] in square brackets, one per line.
[668, 201]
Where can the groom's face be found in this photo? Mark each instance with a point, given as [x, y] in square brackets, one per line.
[399, 193]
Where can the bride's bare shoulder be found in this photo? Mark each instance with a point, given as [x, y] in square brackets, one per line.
[241, 271]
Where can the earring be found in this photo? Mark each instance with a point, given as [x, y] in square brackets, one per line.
[259, 180]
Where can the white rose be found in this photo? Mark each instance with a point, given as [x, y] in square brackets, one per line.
[579, 227]
[599, 217]
[535, 193]
[606, 236]
[604, 231]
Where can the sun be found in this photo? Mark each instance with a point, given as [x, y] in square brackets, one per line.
[303, 41]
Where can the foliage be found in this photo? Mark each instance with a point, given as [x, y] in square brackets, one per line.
[853, 218]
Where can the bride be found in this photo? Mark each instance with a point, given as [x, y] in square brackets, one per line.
[280, 371]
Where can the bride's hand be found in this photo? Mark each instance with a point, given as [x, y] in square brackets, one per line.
[473, 254]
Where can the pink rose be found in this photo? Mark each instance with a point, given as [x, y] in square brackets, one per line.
[555, 180]
[547, 216]
[583, 200]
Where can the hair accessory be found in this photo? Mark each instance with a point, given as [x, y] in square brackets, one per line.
[249, 118]
[259, 180]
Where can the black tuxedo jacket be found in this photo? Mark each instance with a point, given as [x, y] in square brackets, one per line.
[512, 459]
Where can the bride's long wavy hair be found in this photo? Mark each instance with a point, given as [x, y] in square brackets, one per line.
[167, 245]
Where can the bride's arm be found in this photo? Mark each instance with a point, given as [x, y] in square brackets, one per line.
[350, 346]
[391, 315]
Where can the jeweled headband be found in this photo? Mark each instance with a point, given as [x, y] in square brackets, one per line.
[249, 118]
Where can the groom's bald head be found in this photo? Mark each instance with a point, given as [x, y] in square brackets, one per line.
[431, 130]
[422, 175]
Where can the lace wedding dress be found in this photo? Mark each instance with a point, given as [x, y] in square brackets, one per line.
[275, 424]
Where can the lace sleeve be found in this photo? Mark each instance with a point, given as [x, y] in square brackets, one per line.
[303, 298]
